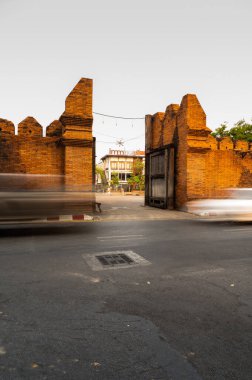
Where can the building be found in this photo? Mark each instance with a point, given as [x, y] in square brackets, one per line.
[120, 162]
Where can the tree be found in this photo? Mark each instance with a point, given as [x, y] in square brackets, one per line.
[221, 131]
[114, 179]
[240, 131]
[100, 171]
[136, 180]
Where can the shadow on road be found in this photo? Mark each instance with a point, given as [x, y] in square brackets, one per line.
[24, 230]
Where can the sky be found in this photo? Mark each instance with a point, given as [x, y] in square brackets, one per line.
[142, 56]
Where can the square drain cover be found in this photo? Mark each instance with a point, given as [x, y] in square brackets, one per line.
[114, 260]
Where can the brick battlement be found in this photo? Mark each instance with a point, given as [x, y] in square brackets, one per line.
[205, 165]
[30, 128]
[66, 150]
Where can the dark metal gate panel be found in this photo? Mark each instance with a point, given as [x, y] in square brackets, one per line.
[157, 186]
[160, 178]
[171, 179]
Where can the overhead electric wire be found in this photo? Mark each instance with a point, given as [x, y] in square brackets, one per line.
[105, 142]
[112, 142]
[104, 134]
[114, 137]
[119, 117]
[134, 138]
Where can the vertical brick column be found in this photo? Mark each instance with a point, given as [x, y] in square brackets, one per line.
[77, 121]
[193, 147]
[181, 159]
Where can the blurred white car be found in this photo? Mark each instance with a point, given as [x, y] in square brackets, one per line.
[239, 203]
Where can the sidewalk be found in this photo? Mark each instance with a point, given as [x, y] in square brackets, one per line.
[132, 208]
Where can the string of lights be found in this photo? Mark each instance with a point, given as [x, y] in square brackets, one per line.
[114, 137]
[119, 141]
[119, 117]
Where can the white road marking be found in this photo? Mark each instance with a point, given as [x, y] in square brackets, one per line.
[117, 237]
[239, 229]
[120, 239]
[2, 350]
[202, 272]
[84, 277]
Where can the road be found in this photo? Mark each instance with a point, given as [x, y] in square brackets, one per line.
[184, 313]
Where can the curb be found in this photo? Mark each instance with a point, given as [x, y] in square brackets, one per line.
[69, 218]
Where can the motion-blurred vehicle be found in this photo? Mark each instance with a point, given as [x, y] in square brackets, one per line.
[238, 203]
[35, 196]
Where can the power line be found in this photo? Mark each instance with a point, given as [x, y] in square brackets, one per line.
[103, 134]
[114, 137]
[105, 142]
[112, 142]
[119, 117]
[135, 138]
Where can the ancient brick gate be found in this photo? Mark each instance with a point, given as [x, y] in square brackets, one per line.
[185, 162]
[159, 179]
[67, 151]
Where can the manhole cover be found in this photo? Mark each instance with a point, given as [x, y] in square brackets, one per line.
[114, 260]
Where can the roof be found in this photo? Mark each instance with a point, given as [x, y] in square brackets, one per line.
[124, 153]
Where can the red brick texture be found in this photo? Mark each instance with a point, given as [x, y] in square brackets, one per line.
[205, 167]
[67, 150]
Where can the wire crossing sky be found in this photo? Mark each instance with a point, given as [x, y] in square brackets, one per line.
[142, 56]
[119, 117]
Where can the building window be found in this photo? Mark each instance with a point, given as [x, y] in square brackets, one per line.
[114, 165]
[121, 165]
[122, 177]
[129, 165]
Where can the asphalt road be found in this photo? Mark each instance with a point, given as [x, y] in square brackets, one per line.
[185, 314]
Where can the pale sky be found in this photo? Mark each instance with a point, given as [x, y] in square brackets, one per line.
[141, 54]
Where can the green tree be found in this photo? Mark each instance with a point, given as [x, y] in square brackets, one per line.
[114, 179]
[221, 131]
[100, 171]
[136, 180]
[240, 131]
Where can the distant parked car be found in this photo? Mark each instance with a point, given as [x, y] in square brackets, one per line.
[239, 203]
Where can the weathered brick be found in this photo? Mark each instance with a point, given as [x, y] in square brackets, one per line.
[6, 127]
[67, 149]
[30, 127]
[205, 167]
[157, 130]
[54, 129]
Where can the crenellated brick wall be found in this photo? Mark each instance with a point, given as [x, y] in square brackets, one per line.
[67, 150]
[204, 165]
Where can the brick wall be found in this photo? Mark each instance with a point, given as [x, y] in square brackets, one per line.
[67, 149]
[205, 167]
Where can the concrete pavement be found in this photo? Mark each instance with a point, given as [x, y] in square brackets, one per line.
[131, 207]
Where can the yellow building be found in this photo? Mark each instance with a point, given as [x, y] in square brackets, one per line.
[120, 162]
